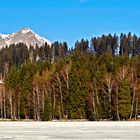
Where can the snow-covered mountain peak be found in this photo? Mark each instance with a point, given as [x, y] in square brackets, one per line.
[25, 30]
[25, 35]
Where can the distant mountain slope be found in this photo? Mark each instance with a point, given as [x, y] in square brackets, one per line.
[25, 35]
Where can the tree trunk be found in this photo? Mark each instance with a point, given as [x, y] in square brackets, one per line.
[34, 103]
[61, 110]
[117, 101]
[11, 104]
[132, 105]
[136, 114]
[4, 106]
[1, 104]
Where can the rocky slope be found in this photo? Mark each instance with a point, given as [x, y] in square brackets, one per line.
[25, 35]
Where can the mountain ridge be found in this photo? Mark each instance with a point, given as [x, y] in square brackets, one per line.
[25, 35]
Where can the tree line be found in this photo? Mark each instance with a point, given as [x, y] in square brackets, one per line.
[96, 80]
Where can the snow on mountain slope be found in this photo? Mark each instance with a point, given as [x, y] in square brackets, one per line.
[26, 36]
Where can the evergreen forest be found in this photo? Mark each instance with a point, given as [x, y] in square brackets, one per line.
[97, 79]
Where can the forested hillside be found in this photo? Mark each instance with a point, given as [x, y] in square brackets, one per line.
[97, 79]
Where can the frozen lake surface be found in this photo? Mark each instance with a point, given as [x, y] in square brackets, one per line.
[70, 130]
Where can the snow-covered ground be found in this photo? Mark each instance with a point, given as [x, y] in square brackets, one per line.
[70, 130]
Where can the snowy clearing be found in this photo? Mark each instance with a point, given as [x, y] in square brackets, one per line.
[69, 130]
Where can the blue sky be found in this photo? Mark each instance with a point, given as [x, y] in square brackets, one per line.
[69, 20]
